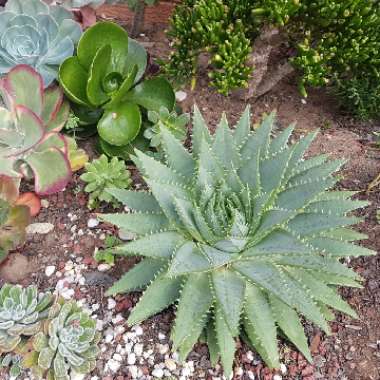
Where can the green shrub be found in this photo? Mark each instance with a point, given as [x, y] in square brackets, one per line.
[243, 235]
[332, 40]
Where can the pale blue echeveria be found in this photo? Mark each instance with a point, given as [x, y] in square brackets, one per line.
[36, 34]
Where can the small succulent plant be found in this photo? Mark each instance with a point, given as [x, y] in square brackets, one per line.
[30, 142]
[243, 234]
[14, 217]
[13, 362]
[36, 34]
[102, 174]
[67, 346]
[165, 119]
[21, 313]
[107, 74]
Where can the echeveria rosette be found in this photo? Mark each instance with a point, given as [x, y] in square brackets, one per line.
[243, 235]
[30, 142]
[36, 34]
[107, 73]
[67, 345]
[21, 313]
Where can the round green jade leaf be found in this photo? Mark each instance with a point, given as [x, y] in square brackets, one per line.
[99, 35]
[73, 79]
[121, 124]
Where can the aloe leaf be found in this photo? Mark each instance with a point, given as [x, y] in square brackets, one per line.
[136, 200]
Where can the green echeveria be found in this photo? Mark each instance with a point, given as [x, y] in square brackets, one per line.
[30, 143]
[36, 34]
[102, 174]
[107, 73]
[243, 235]
[21, 312]
[69, 346]
[164, 119]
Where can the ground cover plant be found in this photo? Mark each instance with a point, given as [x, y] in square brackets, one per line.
[329, 42]
[243, 235]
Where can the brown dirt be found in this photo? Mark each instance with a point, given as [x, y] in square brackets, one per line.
[352, 352]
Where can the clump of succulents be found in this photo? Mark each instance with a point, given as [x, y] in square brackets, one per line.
[30, 142]
[14, 217]
[21, 313]
[165, 119]
[243, 235]
[102, 174]
[13, 362]
[107, 74]
[66, 346]
[36, 34]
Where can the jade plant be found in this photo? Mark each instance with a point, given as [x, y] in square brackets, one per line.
[107, 74]
[243, 234]
[66, 346]
[30, 142]
[21, 313]
[36, 34]
[101, 174]
[14, 216]
[164, 119]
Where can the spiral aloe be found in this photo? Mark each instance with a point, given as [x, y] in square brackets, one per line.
[243, 235]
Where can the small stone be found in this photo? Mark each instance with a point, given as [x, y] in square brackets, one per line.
[133, 370]
[111, 304]
[180, 96]
[283, 368]
[170, 365]
[113, 365]
[49, 270]
[186, 372]
[161, 336]
[131, 358]
[39, 228]
[92, 223]
[117, 357]
[277, 377]
[163, 349]
[126, 235]
[249, 356]
[138, 349]
[138, 330]
[45, 203]
[103, 267]
[77, 376]
[303, 101]
[158, 372]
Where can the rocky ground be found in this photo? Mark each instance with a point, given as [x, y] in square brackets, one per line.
[58, 255]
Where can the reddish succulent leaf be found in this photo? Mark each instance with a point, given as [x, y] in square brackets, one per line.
[31, 200]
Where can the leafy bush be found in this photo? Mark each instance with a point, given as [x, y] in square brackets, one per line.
[102, 174]
[107, 73]
[30, 142]
[329, 40]
[36, 34]
[243, 235]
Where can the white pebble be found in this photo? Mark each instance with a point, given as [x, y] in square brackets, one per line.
[250, 356]
[111, 304]
[117, 357]
[138, 349]
[161, 336]
[180, 96]
[158, 372]
[45, 203]
[113, 365]
[134, 371]
[49, 270]
[109, 338]
[39, 228]
[103, 267]
[277, 377]
[283, 368]
[163, 349]
[92, 223]
[186, 372]
[131, 358]
[170, 364]
[138, 330]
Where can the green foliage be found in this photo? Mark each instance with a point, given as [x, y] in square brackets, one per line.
[13, 362]
[107, 74]
[13, 218]
[102, 174]
[30, 142]
[107, 255]
[36, 34]
[68, 345]
[243, 235]
[21, 313]
[332, 41]
[176, 124]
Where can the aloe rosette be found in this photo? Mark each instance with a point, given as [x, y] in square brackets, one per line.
[21, 313]
[243, 235]
[107, 73]
[36, 34]
[30, 142]
[67, 346]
